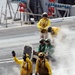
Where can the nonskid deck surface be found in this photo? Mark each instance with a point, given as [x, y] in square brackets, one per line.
[64, 51]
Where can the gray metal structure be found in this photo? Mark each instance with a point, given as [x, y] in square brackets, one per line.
[45, 7]
[58, 7]
[72, 11]
[38, 7]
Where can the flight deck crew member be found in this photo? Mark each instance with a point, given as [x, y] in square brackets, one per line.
[25, 64]
[42, 65]
[42, 25]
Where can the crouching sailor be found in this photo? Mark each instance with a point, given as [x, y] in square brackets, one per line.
[42, 65]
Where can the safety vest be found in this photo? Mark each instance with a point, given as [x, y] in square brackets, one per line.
[42, 70]
[24, 69]
[44, 23]
[25, 65]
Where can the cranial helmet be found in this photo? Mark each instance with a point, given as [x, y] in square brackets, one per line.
[47, 40]
[49, 29]
[41, 41]
[44, 14]
[41, 55]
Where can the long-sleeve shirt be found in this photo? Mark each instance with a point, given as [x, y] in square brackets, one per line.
[25, 66]
[43, 67]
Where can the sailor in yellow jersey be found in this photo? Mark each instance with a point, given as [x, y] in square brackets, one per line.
[42, 65]
[25, 64]
[56, 33]
[43, 25]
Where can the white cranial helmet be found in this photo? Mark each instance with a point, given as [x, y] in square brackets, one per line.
[44, 14]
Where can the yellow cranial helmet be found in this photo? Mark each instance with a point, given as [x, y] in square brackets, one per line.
[41, 55]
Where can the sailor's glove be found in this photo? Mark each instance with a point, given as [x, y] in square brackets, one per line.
[13, 53]
[43, 30]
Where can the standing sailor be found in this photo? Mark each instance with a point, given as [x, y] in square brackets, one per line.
[25, 64]
[42, 25]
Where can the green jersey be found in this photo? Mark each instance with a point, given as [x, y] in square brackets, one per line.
[49, 49]
[41, 48]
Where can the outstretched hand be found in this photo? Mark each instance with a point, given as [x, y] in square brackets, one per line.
[13, 53]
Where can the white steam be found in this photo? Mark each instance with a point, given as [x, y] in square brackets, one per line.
[14, 71]
[65, 55]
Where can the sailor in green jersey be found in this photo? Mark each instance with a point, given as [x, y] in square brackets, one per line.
[42, 46]
[49, 49]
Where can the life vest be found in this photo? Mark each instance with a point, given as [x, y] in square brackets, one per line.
[25, 65]
[44, 23]
[42, 70]
[24, 69]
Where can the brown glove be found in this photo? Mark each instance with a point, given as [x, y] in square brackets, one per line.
[13, 53]
[43, 30]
